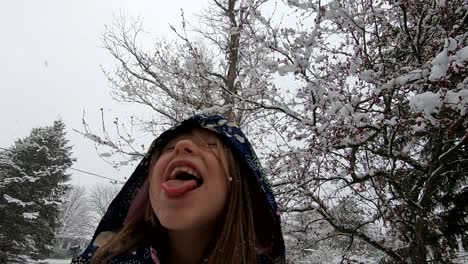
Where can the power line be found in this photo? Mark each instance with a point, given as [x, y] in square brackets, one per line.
[97, 175]
[86, 172]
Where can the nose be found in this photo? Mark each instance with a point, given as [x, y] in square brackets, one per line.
[185, 145]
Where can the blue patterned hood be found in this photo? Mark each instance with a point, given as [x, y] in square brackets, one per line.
[266, 214]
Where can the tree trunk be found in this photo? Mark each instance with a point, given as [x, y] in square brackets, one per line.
[418, 248]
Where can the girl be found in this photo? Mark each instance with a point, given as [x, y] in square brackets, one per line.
[198, 196]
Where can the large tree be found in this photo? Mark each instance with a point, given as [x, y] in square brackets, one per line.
[202, 69]
[33, 176]
[374, 110]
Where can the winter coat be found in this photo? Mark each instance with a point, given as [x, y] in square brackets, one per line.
[231, 135]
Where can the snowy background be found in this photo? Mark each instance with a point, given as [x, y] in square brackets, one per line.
[364, 105]
[51, 58]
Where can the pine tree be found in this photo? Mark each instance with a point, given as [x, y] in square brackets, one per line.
[32, 183]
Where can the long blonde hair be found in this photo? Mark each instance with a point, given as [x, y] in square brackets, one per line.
[235, 241]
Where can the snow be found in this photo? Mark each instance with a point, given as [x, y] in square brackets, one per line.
[42, 148]
[96, 139]
[366, 75]
[463, 54]
[4, 161]
[404, 79]
[334, 107]
[346, 110]
[58, 261]
[353, 68]
[442, 62]
[19, 179]
[361, 119]
[191, 64]
[428, 103]
[31, 215]
[407, 148]
[285, 69]
[441, 3]
[320, 58]
[391, 122]
[458, 100]
[307, 122]
[451, 44]
[47, 202]
[440, 66]
[215, 110]
[270, 64]
[420, 125]
[10, 199]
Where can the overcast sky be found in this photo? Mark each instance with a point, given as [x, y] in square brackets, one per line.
[50, 66]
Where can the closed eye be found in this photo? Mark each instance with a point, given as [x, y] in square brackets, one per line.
[168, 148]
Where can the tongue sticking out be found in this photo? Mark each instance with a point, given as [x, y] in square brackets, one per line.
[177, 188]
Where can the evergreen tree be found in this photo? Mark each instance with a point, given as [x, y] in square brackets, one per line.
[32, 183]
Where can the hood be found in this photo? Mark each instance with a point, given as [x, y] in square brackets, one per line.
[266, 210]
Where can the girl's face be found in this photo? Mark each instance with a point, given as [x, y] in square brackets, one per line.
[188, 185]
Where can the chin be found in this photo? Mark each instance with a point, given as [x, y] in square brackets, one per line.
[179, 222]
[174, 220]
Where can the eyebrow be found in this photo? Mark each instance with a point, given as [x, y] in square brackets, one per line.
[205, 135]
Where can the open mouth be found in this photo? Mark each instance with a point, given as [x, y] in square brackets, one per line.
[181, 180]
[185, 176]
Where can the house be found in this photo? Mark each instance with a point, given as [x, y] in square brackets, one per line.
[67, 247]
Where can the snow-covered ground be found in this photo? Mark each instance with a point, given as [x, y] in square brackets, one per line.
[58, 261]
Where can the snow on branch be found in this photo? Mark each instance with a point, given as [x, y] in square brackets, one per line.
[31, 216]
[96, 139]
[10, 199]
[22, 179]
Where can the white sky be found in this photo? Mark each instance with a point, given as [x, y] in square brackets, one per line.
[50, 66]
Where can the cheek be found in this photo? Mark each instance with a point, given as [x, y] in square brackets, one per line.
[158, 170]
[155, 183]
[224, 193]
[220, 186]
